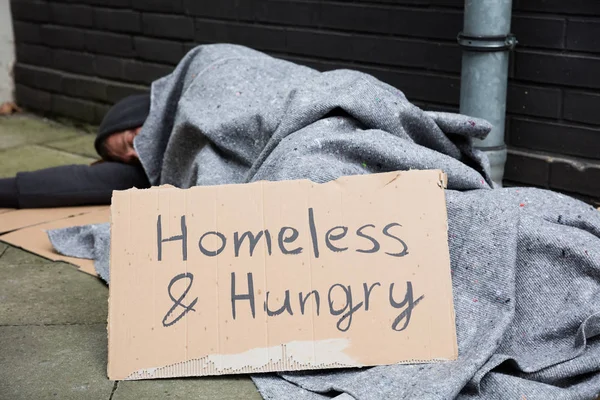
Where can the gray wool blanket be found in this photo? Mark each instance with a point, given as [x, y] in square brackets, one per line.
[525, 262]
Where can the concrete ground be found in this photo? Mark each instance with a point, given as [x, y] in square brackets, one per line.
[53, 342]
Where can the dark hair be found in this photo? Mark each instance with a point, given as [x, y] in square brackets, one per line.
[103, 150]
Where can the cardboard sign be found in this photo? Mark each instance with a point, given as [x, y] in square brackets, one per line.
[277, 276]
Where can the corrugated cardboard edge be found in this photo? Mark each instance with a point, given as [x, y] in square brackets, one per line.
[443, 180]
[209, 365]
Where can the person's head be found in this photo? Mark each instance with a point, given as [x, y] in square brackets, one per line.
[120, 126]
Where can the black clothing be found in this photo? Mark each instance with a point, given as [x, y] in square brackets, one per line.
[8, 193]
[70, 185]
[75, 185]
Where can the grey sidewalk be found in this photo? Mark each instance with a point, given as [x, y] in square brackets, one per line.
[53, 342]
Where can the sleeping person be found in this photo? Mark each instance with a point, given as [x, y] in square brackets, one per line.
[229, 114]
[74, 185]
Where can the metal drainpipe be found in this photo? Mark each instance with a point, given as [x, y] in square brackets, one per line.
[486, 42]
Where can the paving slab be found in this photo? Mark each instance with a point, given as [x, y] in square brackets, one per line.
[16, 256]
[32, 157]
[54, 362]
[51, 293]
[19, 129]
[82, 145]
[205, 388]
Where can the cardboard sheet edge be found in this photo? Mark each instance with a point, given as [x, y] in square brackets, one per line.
[443, 184]
[288, 357]
[442, 178]
[78, 263]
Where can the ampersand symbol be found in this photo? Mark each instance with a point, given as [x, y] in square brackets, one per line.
[178, 302]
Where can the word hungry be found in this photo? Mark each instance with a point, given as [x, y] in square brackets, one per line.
[290, 306]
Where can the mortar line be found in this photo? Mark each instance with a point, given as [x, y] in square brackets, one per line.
[4, 251]
[57, 324]
[114, 389]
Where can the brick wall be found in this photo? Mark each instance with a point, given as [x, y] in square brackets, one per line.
[75, 58]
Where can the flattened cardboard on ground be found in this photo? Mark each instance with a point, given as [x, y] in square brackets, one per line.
[278, 276]
[17, 219]
[35, 239]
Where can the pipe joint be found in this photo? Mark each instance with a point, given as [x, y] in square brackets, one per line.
[487, 43]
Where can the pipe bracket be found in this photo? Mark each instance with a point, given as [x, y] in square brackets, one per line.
[487, 43]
